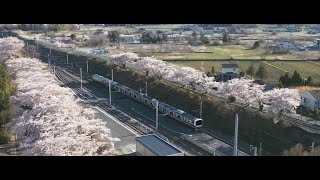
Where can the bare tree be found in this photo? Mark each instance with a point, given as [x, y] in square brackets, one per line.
[298, 150]
[98, 40]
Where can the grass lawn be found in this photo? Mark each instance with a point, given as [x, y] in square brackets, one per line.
[304, 68]
[226, 52]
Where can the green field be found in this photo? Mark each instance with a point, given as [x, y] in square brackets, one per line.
[304, 68]
[227, 52]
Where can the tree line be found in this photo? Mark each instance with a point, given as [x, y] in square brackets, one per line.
[294, 80]
[7, 89]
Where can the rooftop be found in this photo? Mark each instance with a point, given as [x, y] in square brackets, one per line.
[157, 145]
[315, 94]
[229, 66]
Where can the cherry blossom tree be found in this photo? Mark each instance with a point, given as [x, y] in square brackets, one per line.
[245, 91]
[258, 96]
[142, 64]
[48, 118]
[162, 70]
[124, 58]
[281, 101]
[8, 47]
[277, 101]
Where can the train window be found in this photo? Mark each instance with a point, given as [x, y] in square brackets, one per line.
[198, 123]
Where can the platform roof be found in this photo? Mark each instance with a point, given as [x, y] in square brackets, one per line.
[157, 145]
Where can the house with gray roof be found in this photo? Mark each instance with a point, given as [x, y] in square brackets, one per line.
[229, 71]
[311, 99]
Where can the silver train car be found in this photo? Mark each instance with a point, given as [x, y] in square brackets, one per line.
[171, 111]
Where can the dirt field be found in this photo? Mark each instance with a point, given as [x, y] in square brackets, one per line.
[305, 88]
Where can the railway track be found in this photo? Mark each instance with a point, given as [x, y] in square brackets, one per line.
[208, 132]
[82, 93]
[122, 115]
[185, 145]
[304, 124]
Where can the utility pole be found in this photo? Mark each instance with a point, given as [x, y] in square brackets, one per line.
[67, 58]
[260, 150]
[49, 61]
[235, 144]
[110, 92]
[87, 66]
[147, 88]
[81, 77]
[50, 50]
[157, 116]
[201, 110]
[255, 151]
[312, 147]
[112, 74]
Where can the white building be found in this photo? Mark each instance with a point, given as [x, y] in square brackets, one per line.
[317, 42]
[229, 71]
[311, 99]
[129, 38]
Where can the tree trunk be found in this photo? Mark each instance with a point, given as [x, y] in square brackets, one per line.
[260, 107]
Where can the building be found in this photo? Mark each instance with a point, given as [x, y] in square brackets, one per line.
[311, 99]
[317, 42]
[285, 44]
[229, 71]
[292, 28]
[99, 50]
[129, 38]
[153, 145]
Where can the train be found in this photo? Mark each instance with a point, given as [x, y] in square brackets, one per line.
[171, 111]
